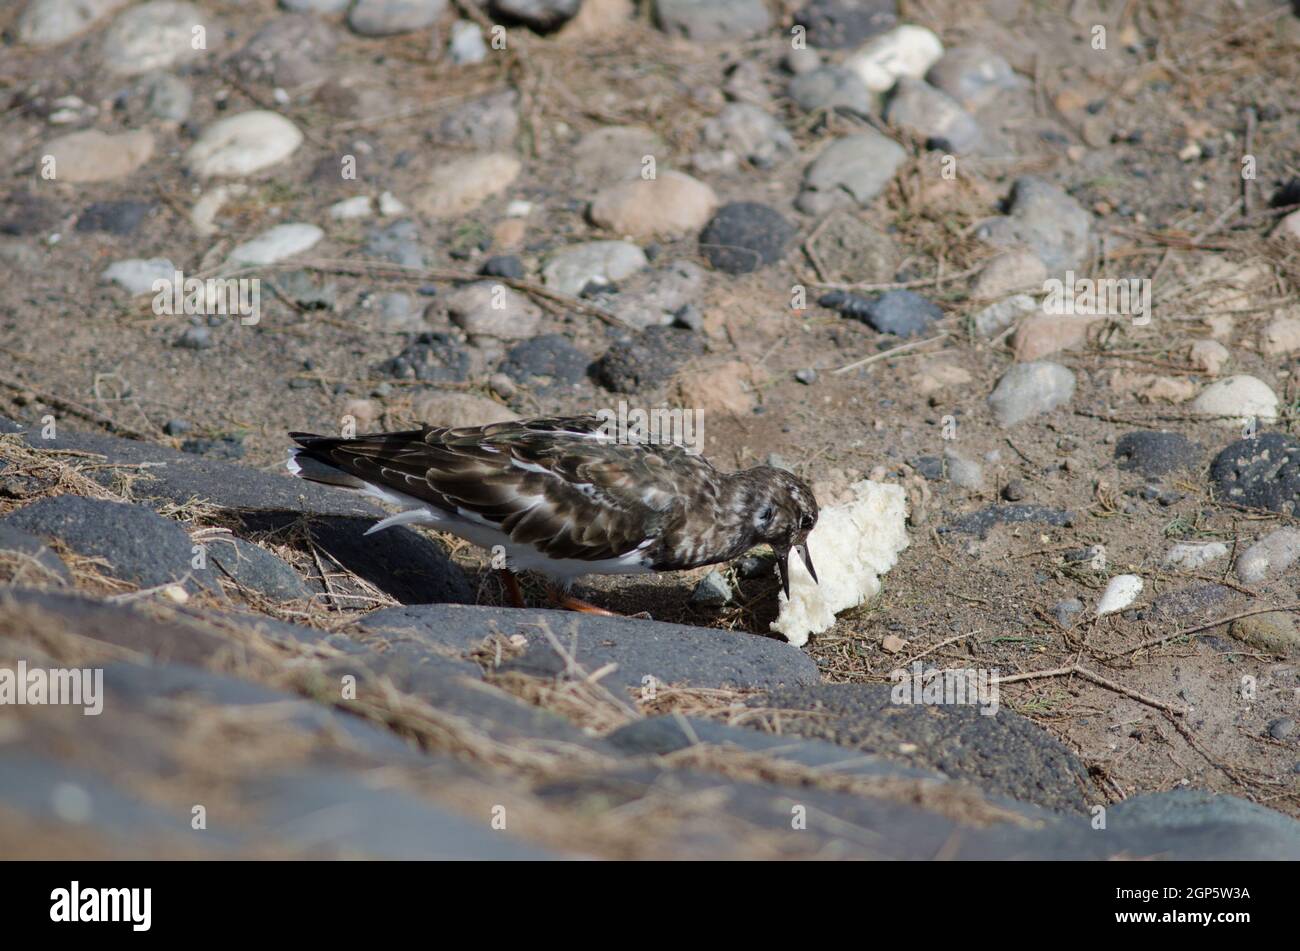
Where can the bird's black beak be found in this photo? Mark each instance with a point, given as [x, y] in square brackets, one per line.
[807, 561]
[783, 566]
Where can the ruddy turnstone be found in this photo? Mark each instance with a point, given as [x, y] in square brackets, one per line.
[566, 497]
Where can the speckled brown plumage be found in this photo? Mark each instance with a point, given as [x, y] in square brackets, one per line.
[565, 488]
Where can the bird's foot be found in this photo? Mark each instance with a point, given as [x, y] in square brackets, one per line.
[513, 591]
[567, 601]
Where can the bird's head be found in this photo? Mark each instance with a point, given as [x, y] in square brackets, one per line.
[784, 512]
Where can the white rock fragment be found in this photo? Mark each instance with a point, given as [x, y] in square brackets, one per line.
[461, 185]
[137, 275]
[466, 44]
[154, 36]
[280, 242]
[852, 545]
[998, 317]
[389, 206]
[1235, 400]
[1029, 389]
[1288, 227]
[1119, 594]
[906, 50]
[243, 144]
[48, 22]
[1188, 556]
[349, 209]
[1271, 555]
[572, 268]
[203, 216]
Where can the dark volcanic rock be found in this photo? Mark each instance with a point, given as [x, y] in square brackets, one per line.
[1184, 603]
[646, 360]
[548, 363]
[441, 682]
[901, 313]
[668, 734]
[1155, 453]
[22, 213]
[113, 217]
[31, 784]
[540, 15]
[168, 476]
[979, 523]
[432, 357]
[1287, 195]
[138, 544]
[1192, 823]
[384, 823]
[254, 568]
[1263, 472]
[843, 24]
[403, 564]
[225, 447]
[504, 265]
[26, 559]
[671, 653]
[744, 236]
[1003, 753]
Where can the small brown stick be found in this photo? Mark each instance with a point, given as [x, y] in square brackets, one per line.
[324, 578]
[1152, 642]
[68, 406]
[903, 285]
[890, 353]
[1247, 192]
[378, 269]
[941, 644]
[811, 251]
[1096, 678]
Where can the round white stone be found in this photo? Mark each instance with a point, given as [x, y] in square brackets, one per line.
[1236, 400]
[137, 275]
[1119, 594]
[349, 208]
[1271, 555]
[1192, 555]
[280, 242]
[155, 35]
[573, 268]
[47, 22]
[906, 50]
[243, 144]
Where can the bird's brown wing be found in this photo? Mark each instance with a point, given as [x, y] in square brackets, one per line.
[557, 483]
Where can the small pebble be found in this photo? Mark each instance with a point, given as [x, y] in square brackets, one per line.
[713, 590]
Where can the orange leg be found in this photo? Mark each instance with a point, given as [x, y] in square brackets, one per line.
[513, 591]
[567, 601]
